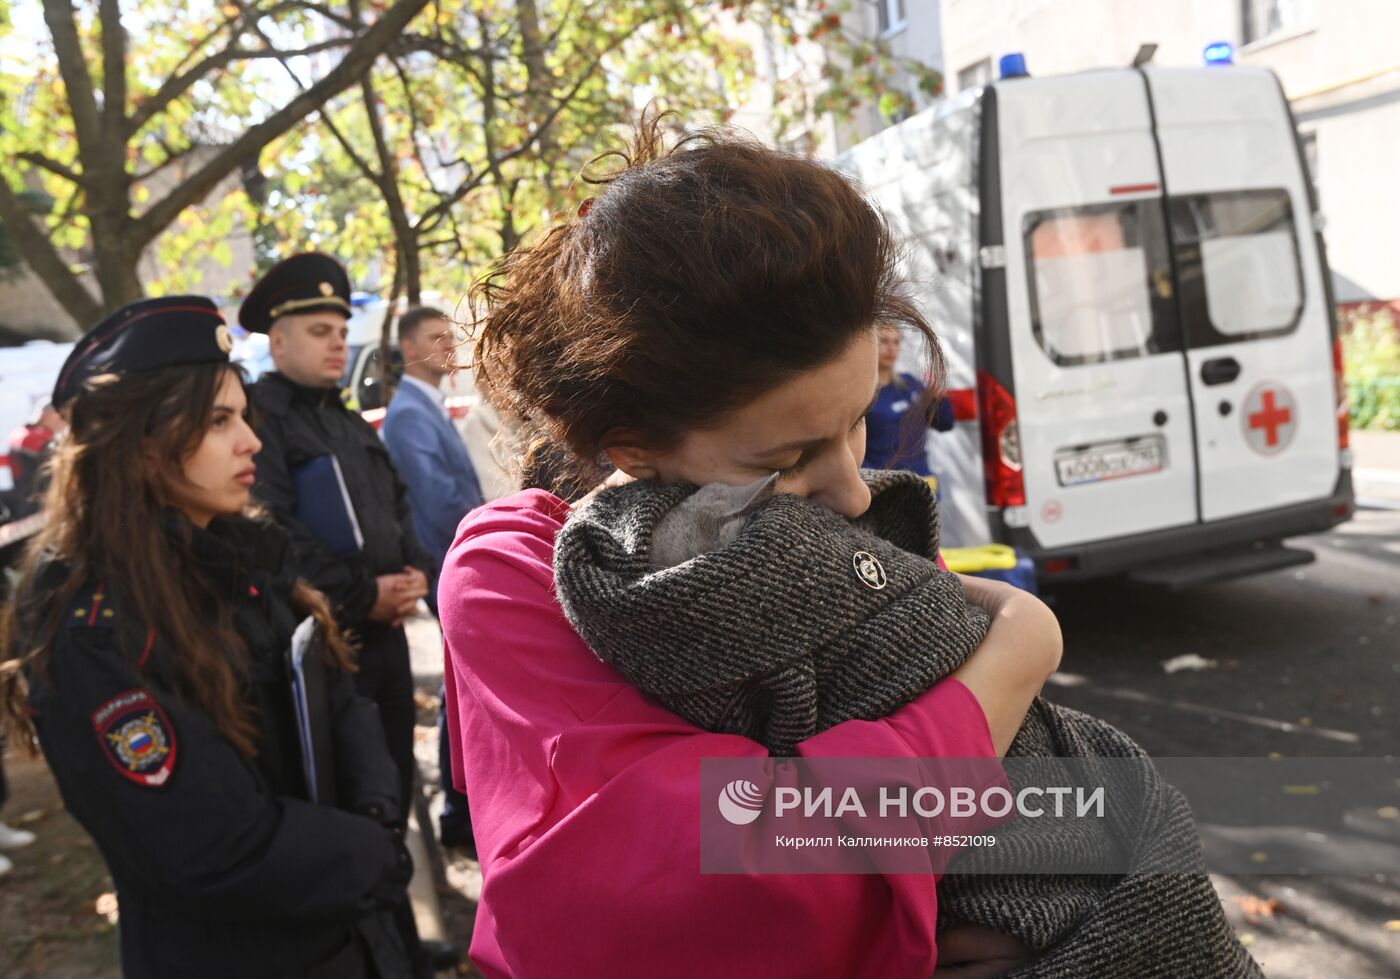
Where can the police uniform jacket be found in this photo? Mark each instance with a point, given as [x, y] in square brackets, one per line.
[222, 866]
[298, 424]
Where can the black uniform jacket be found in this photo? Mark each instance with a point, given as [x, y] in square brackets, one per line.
[298, 424]
[222, 866]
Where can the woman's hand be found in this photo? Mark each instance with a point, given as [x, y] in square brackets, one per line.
[975, 952]
[1022, 648]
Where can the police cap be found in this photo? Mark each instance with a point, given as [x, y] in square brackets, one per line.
[305, 283]
[144, 335]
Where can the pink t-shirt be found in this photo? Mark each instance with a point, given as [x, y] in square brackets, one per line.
[585, 798]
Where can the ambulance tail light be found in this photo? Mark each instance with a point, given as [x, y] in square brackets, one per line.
[1343, 405]
[1001, 443]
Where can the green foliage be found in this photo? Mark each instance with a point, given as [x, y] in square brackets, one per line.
[1371, 359]
[489, 112]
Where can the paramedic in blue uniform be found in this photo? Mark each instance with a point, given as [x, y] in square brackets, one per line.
[149, 636]
[893, 439]
[323, 470]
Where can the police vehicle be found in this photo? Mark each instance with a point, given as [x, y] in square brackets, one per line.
[1127, 271]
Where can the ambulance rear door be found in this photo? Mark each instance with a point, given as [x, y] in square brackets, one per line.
[1253, 305]
[1098, 377]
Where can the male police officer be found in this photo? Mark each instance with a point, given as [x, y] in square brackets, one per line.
[326, 477]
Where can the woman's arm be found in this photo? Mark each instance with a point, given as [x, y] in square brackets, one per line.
[199, 828]
[1022, 648]
[587, 804]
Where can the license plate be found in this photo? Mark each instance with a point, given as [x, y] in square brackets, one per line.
[1116, 460]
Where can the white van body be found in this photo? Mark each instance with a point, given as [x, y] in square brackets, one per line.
[1127, 273]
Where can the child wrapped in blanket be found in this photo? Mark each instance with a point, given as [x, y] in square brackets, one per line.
[768, 615]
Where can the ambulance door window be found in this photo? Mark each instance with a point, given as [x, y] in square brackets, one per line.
[1100, 282]
[1239, 265]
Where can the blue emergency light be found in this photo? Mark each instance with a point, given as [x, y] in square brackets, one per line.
[1012, 66]
[1220, 53]
[358, 299]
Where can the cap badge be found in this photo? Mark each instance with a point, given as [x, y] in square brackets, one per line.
[223, 338]
[327, 289]
[869, 570]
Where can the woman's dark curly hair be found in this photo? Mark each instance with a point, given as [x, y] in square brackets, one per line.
[696, 279]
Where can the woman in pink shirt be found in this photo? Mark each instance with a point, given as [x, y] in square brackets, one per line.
[709, 317]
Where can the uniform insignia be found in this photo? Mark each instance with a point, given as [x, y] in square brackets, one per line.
[223, 338]
[90, 607]
[327, 289]
[136, 737]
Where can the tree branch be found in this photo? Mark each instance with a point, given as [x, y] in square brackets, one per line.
[415, 124]
[356, 62]
[41, 256]
[72, 65]
[339, 20]
[113, 78]
[51, 165]
[172, 156]
[178, 85]
[360, 162]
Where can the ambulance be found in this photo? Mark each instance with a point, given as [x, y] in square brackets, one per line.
[1127, 273]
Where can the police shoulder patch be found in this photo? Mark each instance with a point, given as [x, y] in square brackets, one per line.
[136, 737]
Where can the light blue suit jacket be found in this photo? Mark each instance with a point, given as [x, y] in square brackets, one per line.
[434, 465]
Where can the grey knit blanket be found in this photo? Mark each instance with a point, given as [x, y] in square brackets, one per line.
[807, 620]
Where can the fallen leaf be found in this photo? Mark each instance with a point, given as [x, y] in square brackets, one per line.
[1257, 908]
[32, 816]
[1388, 812]
[1393, 924]
[1188, 661]
[1259, 856]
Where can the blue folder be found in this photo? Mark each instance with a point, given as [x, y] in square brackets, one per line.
[324, 507]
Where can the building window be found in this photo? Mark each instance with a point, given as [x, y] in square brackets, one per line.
[1260, 18]
[891, 16]
[976, 74]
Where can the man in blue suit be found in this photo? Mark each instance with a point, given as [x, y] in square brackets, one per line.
[442, 487]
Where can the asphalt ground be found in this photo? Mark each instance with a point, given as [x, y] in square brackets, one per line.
[1303, 663]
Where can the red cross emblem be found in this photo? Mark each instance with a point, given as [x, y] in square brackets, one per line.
[1269, 418]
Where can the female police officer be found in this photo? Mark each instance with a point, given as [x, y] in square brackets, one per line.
[151, 627]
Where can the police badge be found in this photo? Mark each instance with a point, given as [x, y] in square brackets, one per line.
[136, 737]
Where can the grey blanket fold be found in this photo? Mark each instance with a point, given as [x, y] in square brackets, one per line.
[807, 620]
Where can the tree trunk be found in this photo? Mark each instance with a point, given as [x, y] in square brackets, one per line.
[113, 261]
[539, 83]
[408, 270]
[32, 242]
